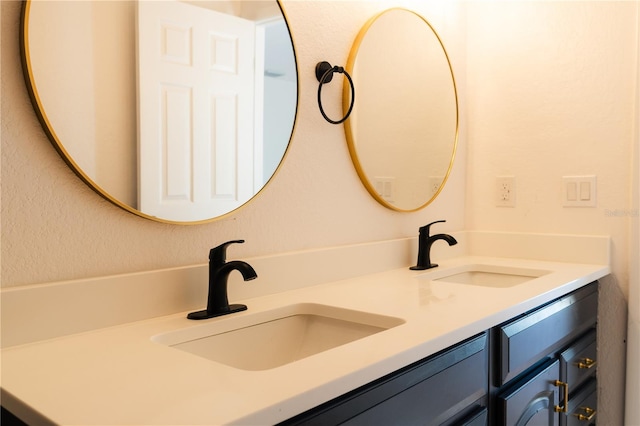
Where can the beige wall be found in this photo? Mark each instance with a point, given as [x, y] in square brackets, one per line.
[552, 92]
[55, 228]
[94, 58]
[547, 89]
[552, 88]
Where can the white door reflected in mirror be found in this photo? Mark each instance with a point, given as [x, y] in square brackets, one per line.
[196, 101]
[169, 116]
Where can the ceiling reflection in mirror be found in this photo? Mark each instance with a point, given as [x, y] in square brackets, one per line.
[402, 133]
[176, 111]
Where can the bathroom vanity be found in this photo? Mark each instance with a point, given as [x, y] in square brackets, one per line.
[479, 340]
[508, 375]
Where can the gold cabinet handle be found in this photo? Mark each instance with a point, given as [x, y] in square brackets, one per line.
[565, 406]
[586, 363]
[589, 414]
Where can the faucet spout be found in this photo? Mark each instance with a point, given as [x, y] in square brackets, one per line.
[218, 301]
[425, 241]
[219, 270]
[448, 238]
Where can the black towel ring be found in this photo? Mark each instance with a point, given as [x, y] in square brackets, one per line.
[324, 74]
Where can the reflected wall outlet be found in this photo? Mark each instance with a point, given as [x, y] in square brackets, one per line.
[434, 184]
[579, 191]
[505, 191]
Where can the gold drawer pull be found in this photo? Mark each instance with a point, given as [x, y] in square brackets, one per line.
[565, 407]
[586, 363]
[589, 414]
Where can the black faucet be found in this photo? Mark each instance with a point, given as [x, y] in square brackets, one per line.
[424, 246]
[219, 270]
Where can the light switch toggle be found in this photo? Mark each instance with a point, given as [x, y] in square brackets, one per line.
[572, 191]
[585, 191]
[579, 191]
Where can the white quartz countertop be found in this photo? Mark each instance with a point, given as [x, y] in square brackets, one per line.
[118, 375]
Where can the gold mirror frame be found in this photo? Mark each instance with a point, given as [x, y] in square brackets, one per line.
[349, 131]
[75, 167]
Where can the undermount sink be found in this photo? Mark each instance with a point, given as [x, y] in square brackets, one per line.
[489, 275]
[270, 339]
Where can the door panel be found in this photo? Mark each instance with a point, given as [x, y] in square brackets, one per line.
[196, 77]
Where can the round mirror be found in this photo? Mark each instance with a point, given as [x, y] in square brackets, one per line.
[403, 130]
[178, 111]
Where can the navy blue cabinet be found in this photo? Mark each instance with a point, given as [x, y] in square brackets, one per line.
[544, 360]
[578, 366]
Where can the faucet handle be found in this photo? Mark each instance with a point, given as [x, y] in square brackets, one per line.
[426, 227]
[218, 255]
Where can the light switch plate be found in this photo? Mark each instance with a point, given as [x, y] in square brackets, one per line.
[579, 191]
[385, 187]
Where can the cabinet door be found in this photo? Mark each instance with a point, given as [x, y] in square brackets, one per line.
[531, 401]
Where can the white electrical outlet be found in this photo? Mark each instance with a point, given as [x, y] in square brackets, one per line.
[506, 191]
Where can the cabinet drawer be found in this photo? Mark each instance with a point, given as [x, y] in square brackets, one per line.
[434, 401]
[578, 361]
[582, 406]
[538, 333]
[449, 384]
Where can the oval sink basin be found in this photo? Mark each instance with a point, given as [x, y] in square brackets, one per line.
[274, 338]
[490, 275]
